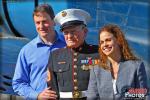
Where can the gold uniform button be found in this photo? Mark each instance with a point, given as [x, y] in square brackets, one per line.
[75, 80]
[75, 54]
[75, 66]
[75, 88]
[80, 48]
[75, 73]
[60, 70]
[77, 94]
[74, 59]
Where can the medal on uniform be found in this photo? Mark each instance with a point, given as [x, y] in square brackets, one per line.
[84, 67]
[88, 63]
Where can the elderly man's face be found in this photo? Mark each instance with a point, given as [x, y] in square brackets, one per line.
[75, 36]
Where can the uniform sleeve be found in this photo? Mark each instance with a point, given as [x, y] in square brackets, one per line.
[21, 78]
[92, 92]
[52, 81]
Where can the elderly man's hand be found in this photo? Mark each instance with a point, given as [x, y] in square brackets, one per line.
[47, 94]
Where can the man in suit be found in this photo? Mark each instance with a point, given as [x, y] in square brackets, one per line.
[69, 66]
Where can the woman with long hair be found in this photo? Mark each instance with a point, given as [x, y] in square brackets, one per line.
[120, 74]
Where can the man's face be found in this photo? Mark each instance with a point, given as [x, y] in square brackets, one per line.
[75, 36]
[44, 24]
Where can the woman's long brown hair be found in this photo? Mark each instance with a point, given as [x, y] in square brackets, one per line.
[123, 44]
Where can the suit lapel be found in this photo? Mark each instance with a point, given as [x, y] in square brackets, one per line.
[106, 84]
[121, 77]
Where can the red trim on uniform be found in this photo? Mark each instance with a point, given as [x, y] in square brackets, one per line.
[72, 68]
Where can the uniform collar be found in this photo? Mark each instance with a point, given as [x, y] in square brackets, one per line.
[81, 47]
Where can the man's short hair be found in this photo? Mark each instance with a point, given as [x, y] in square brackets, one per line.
[44, 8]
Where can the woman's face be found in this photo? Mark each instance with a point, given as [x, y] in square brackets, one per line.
[108, 44]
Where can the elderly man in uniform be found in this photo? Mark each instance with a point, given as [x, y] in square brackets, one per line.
[69, 66]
